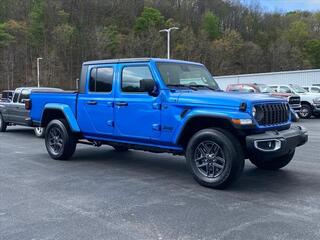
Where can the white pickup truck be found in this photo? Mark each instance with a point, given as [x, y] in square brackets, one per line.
[310, 102]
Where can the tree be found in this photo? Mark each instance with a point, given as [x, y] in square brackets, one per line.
[150, 18]
[313, 52]
[298, 33]
[5, 37]
[36, 23]
[210, 25]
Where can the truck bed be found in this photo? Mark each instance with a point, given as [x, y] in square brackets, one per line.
[41, 99]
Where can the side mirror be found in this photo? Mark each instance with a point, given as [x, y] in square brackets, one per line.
[149, 86]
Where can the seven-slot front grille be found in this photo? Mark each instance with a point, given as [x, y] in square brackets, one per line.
[272, 114]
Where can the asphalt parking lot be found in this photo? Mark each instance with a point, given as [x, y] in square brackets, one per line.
[102, 194]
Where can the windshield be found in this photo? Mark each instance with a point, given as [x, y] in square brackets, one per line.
[265, 88]
[183, 74]
[298, 89]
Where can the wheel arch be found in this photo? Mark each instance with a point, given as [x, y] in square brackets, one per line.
[59, 111]
[199, 122]
[306, 103]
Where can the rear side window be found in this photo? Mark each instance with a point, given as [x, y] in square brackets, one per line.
[131, 77]
[25, 94]
[315, 90]
[101, 79]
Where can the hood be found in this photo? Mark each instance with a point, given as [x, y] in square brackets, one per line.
[231, 99]
[284, 95]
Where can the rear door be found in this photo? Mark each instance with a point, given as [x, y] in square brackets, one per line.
[95, 106]
[22, 115]
[12, 107]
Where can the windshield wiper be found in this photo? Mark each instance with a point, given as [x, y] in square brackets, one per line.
[204, 86]
[183, 85]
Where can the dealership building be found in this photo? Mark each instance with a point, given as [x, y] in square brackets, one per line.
[302, 78]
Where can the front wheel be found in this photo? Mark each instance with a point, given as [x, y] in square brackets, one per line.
[60, 141]
[273, 163]
[3, 124]
[39, 132]
[215, 158]
[305, 111]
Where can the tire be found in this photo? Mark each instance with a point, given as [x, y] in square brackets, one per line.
[120, 148]
[60, 141]
[39, 132]
[219, 167]
[305, 111]
[273, 163]
[3, 124]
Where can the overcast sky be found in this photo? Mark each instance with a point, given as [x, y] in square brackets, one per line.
[289, 5]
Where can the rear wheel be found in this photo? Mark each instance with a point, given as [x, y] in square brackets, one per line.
[60, 141]
[3, 124]
[273, 163]
[215, 158]
[39, 132]
[305, 111]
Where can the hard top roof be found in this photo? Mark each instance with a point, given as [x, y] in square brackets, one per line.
[136, 60]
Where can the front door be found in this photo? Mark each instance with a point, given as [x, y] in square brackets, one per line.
[137, 114]
[95, 107]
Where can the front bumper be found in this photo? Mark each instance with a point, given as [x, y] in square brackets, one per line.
[316, 108]
[276, 143]
[295, 107]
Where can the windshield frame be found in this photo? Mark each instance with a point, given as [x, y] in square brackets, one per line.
[204, 74]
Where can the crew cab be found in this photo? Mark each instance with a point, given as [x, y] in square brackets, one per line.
[293, 100]
[173, 106]
[310, 102]
[13, 110]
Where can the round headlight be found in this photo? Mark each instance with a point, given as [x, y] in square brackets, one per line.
[254, 111]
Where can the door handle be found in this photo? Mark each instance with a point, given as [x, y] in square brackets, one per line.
[121, 104]
[92, 103]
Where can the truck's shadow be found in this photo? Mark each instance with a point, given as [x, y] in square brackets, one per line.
[23, 132]
[174, 169]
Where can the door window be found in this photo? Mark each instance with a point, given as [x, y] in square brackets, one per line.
[16, 96]
[131, 77]
[284, 89]
[25, 94]
[274, 88]
[101, 79]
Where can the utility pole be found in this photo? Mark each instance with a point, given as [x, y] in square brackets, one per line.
[168, 31]
[38, 70]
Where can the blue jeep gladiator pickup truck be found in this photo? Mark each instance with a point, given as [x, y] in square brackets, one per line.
[173, 106]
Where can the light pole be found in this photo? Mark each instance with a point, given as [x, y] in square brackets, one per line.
[168, 31]
[38, 70]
